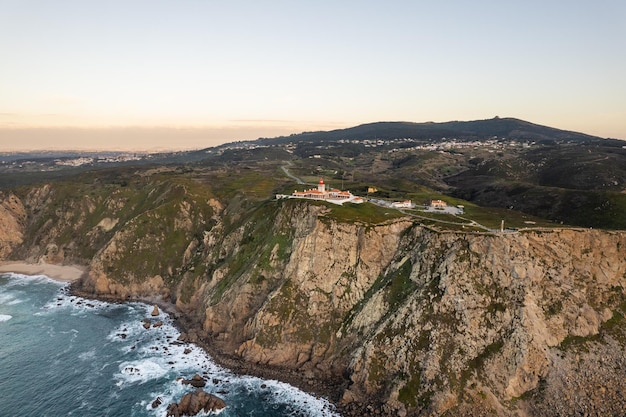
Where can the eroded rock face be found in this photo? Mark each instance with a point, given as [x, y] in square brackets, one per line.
[486, 315]
[12, 223]
[430, 322]
[328, 273]
[194, 402]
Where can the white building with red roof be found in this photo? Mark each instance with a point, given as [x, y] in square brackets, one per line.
[332, 195]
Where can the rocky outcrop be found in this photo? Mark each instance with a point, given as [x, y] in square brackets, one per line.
[485, 316]
[403, 320]
[196, 381]
[194, 402]
[12, 223]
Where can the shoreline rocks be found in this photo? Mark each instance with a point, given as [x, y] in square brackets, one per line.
[196, 381]
[193, 402]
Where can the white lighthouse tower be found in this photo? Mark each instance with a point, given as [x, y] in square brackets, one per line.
[321, 187]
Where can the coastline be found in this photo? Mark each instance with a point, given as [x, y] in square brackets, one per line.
[64, 273]
[330, 389]
[191, 332]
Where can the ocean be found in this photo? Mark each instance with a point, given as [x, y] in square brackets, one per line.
[62, 355]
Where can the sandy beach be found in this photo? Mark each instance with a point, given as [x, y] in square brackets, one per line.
[66, 273]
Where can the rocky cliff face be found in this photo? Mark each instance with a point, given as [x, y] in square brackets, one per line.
[414, 321]
[486, 316]
[12, 223]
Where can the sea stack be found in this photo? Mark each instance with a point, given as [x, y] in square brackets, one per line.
[155, 311]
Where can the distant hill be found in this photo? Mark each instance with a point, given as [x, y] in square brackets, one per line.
[508, 128]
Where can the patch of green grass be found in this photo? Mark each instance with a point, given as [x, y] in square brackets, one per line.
[571, 342]
[554, 308]
[478, 362]
[366, 213]
[377, 369]
[492, 217]
[399, 285]
[409, 393]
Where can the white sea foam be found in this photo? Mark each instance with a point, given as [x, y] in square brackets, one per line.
[140, 371]
[6, 298]
[286, 394]
[162, 357]
[11, 298]
[89, 355]
[77, 305]
[21, 280]
[5, 317]
[157, 354]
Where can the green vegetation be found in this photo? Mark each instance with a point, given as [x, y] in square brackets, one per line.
[409, 394]
[260, 236]
[397, 286]
[478, 362]
[365, 213]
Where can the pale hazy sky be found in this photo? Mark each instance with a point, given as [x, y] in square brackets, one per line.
[192, 73]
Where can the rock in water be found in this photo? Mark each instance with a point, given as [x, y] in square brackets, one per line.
[197, 381]
[157, 402]
[155, 311]
[194, 402]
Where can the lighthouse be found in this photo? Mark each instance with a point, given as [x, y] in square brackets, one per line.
[321, 187]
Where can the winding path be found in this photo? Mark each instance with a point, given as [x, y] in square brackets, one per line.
[289, 174]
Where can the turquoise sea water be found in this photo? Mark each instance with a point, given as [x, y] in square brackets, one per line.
[62, 355]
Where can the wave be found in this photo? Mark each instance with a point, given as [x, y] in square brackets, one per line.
[5, 317]
[16, 279]
[6, 298]
[11, 299]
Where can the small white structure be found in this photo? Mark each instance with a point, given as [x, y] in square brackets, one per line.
[402, 204]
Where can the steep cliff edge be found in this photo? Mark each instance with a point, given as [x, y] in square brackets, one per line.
[409, 320]
[12, 223]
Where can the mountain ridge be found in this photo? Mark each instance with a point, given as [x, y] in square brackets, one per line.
[507, 127]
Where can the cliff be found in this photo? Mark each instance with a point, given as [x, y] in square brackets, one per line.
[402, 319]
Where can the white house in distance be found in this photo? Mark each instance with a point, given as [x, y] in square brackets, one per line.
[438, 204]
[402, 204]
[320, 193]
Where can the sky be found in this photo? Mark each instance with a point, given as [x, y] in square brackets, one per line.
[188, 74]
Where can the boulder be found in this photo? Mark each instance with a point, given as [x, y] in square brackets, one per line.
[197, 381]
[194, 402]
[155, 311]
[158, 324]
[157, 402]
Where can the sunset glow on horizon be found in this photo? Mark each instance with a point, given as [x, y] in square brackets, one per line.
[192, 74]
